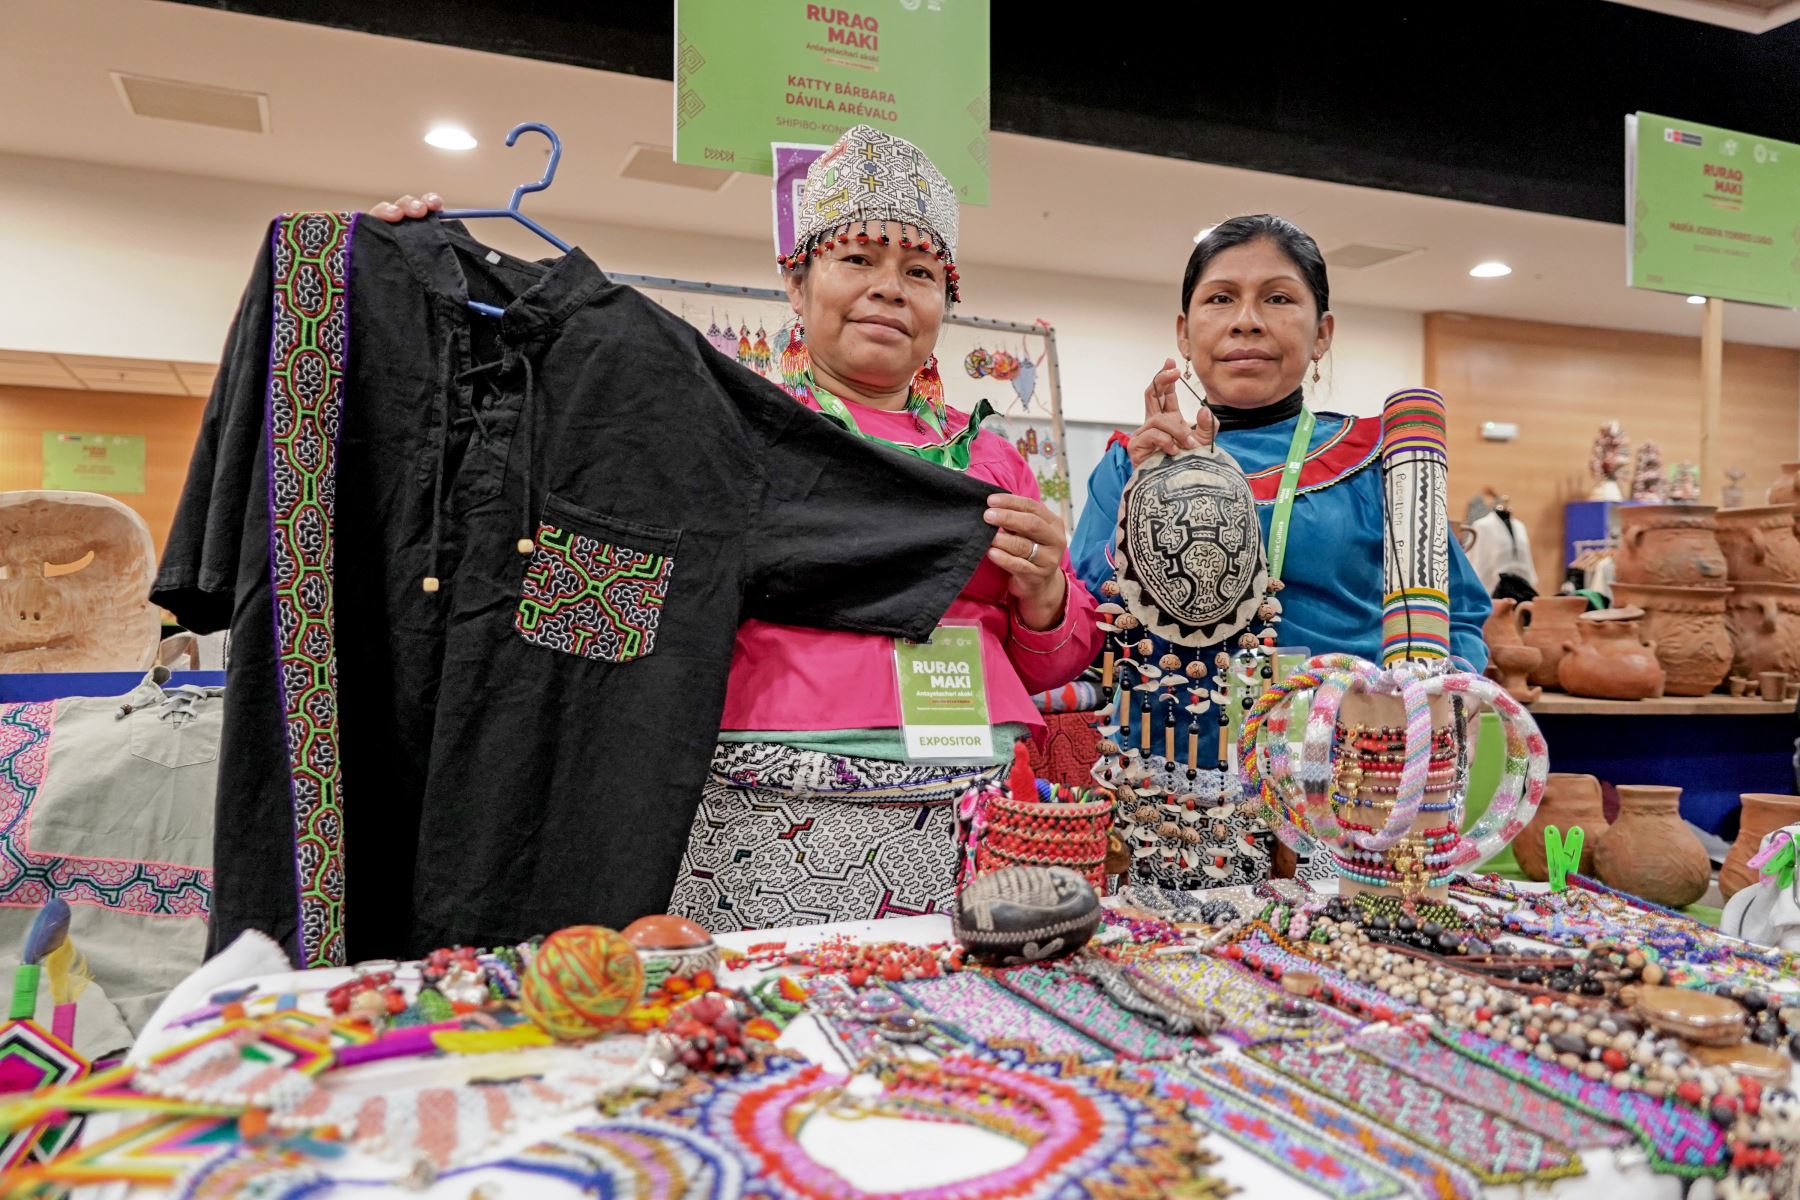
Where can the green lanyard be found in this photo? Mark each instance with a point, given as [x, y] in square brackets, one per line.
[953, 453]
[1284, 497]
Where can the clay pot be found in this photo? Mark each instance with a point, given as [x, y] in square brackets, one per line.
[1511, 666]
[1763, 813]
[1613, 661]
[1764, 622]
[1771, 685]
[1782, 491]
[1502, 627]
[1688, 627]
[1759, 544]
[1569, 801]
[1676, 545]
[1651, 852]
[1550, 626]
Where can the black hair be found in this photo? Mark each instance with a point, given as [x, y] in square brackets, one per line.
[1288, 237]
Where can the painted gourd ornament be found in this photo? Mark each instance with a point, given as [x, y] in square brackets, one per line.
[1026, 914]
[582, 982]
[1190, 555]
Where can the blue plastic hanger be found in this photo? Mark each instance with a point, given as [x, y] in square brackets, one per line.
[512, 206]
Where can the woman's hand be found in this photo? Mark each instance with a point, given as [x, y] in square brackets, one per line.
[407, 207]
[1029, 546]
[1163, 430]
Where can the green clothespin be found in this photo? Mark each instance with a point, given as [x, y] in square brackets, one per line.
[1562, 855]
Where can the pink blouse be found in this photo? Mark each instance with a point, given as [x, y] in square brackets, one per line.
[785, 678]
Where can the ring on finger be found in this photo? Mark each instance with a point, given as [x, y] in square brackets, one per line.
[1032, 557]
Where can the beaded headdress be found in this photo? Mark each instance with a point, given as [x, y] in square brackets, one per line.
[875, 186]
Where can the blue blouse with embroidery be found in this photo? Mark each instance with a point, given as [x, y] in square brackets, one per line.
[1333, 575]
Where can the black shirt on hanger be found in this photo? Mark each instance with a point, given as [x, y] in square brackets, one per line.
[512, 764]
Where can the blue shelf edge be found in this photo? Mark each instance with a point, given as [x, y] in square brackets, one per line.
[55, 685]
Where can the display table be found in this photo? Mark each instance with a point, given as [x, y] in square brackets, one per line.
[876, 1153]
[1714, 748]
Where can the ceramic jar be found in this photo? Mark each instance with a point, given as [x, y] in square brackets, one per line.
[1613, 661]
[1676, 545]
[1651, 852]
[1569, 801]
[1763, 813]
[1687, 626]
[1510, 660]
[1550, 627]
[1759, 544]
[1782, 490]
[1764, 622]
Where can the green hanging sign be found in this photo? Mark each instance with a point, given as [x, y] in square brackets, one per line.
[749, 75]
[1711, 212]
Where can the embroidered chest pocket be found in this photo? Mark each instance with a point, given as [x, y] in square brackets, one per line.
[595, 585]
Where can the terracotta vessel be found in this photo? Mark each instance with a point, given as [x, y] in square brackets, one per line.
[1763, 813]
[1502, 626]
[1651, 852]
[1764, 622]
[1550, 626]
[1759, 544]
[1782, 490]
[1771, 685]
[1569, 801]
[1613, 661]
[1511, 666]
[1688, 627]
[1672, 544]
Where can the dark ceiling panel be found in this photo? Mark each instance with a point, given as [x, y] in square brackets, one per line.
[1522, 108]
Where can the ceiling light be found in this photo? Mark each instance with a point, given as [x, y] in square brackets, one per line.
[1696, 299]
[1490, 270]
[450, 137]
[1204, 232]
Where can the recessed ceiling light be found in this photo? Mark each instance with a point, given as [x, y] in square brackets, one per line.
[1204, 232]
[1696, 299]
[450, 137]
[1490, 270]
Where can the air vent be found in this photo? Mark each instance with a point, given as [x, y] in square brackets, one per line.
[656, 164]
[195, 103]
[1360, 256]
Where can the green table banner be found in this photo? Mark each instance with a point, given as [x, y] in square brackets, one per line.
[748, 75]
[1710, 212]
[94, 462]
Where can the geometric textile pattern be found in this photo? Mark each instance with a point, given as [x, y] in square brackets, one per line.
[32, 1059]
[590, 598]
[27, 880]
[987, 1012]
[1493, 1149]
[309, 349]
[785, 836]
[1070, 748]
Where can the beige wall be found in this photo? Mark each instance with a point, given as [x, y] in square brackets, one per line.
[1560, 383]
[140, 264]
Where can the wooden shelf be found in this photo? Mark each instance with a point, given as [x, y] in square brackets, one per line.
[1556, 704]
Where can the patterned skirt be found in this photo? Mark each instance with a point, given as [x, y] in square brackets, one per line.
[801, 837]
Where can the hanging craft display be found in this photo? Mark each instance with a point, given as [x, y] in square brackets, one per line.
[741, 348]
[722, 340]
[1189, 548]
[1020, 370]
[761, 357]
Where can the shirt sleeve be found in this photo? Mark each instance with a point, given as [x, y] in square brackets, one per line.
[1469, 609]
[197, 579]
[1091, 546]
[1049, 658]
[856, 536]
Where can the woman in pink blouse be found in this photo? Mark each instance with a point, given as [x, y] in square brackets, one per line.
[813, 812]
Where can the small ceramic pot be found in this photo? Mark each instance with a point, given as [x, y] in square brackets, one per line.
[1651, 852]
[1764, 622]
[1549, 625]
[1502, 626]
[1613, 661]
[1763, 813]
[1782, 490]
[1771, 684]
[1759, 544]
[1739, 686]
[1569, 801]
[1676, 545]
[1687, 626]
[1511, 666]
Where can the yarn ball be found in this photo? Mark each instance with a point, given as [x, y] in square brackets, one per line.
[582, 982]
